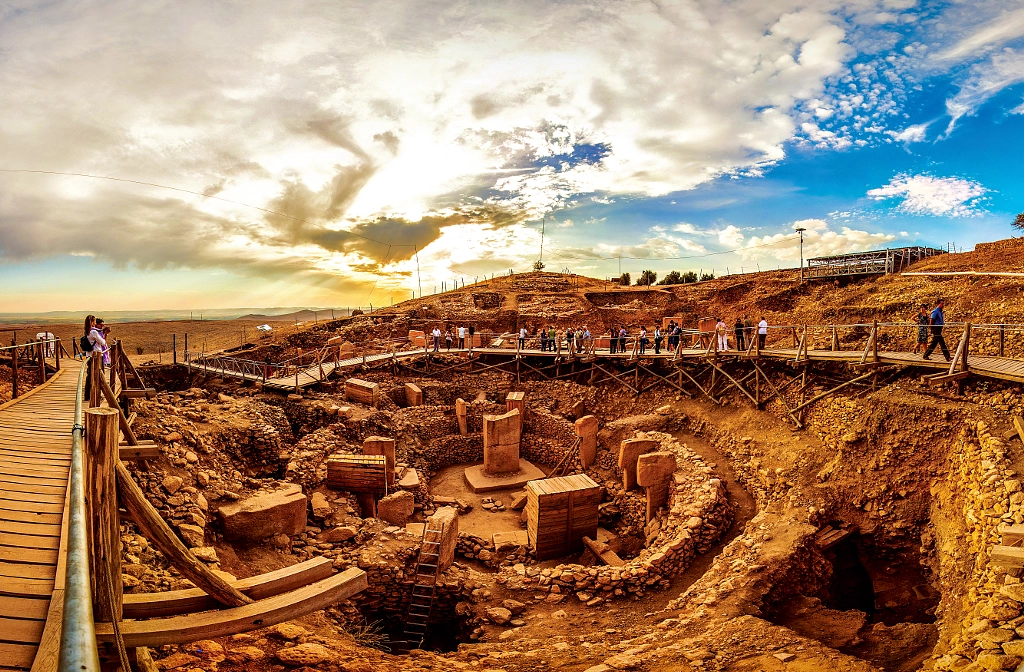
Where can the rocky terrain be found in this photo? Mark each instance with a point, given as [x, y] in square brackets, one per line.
[861, 542]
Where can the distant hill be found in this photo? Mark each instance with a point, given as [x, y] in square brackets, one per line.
[75, 316]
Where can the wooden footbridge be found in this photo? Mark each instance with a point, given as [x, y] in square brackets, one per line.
[62, 483]
[760, 371]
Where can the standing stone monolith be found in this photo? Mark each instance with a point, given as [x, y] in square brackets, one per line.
[501, 442]
[630, 451]
[380, 445]
[654, 473]
[460, 414]
[586, 429]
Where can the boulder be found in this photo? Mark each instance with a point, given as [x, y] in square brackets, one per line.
[321, 507]
[263, 515]
[336, 534]
[499, 615]
[172, 484]
[396, 508]
[306, 654]
[192, 534]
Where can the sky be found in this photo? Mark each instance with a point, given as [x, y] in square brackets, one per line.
[180, 155]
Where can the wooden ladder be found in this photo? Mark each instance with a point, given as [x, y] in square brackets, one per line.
[417, 615]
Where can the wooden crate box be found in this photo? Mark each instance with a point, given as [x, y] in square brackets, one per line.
[361, 391]
[560, 512]
[357, 473]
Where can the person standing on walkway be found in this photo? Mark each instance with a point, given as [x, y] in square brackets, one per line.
[937, 320]
[84, 344]
[622, 339]
[723, 334]
[613, 340]
[762, 333]
[97, 343]
[462, 337]
[543, 339]
[748, 329]
[741, 343]
[923, 319]
[435, 334]
[522, 338]
[448, 338]
[586, 338]
[643, 340]
[472, 330]
[657, 339]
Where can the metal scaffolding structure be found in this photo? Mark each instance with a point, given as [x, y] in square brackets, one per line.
[875, 262]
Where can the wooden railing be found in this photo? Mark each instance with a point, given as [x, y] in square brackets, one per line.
[32, 355]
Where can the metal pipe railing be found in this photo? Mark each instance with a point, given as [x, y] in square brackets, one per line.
[78, 651]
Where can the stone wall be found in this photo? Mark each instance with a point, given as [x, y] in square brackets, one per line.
[1001, 245]
[698, 513]
[985, 625]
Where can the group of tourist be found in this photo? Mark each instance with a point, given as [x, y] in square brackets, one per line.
[461, 332]
[95, 338]
[743, 330]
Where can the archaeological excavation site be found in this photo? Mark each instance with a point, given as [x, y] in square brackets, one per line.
[349, 496]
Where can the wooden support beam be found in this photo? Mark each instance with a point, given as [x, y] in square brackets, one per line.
[699, 386]
[960, 358]
[1018, 424]
[667, 380]
[145, 450]
[735, 383]
[126, 429]
[147, 393]
[833, 391]
[261, 614]
[156, 530]
[176, 602]
[870, 347]
[101, 507]
[619, 379]
[776, 392]
[940, 378]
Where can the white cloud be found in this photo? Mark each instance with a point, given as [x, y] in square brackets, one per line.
[730, 236]
[1007, 26]
[819, 241]
[927, 195]
[566, 224]
[913, 133]
[985, 80]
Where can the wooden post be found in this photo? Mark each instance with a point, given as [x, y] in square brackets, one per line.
[835, 339]
[174, 347]
[95, 380]
[874, 341]
[122, 366]
[14, 368]
[186, 346]
[1002, 338]
[42, 362]
[101, 506]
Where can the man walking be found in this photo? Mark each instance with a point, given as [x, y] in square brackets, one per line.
[462, 337]
[613, 340]
[762, 333]
[737, 328]
[522, 338]
[436, 333]
[937, 320]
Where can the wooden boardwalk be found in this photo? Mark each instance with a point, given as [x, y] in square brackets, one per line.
[35, 459]
[1003, 368]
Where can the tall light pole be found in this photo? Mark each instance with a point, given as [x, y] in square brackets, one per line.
[801, 232]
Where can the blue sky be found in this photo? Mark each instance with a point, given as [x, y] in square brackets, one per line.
[312, 154]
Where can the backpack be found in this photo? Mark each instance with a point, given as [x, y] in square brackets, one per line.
[85, 344]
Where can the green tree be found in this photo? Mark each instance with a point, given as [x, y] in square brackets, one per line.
[672, 278]
[624, 279]
[707, 276]
[647, 278]
[538, 265]
[1018, 221]
[690, 276]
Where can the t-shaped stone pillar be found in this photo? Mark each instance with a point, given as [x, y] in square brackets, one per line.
[445, 519]
[501, 442]
[460, 414]
[516, 401]
[629, 452]
[413, 394]
[586, 429]
[654, 472]
[379, 445]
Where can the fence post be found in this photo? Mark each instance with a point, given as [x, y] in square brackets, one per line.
[174, 347]
[1002, 338]
[14, 369]
[56, 353]
[42, 362]
[101, 504]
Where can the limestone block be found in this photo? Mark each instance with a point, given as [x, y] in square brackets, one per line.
[629, 452]
[282, 511]
[410, 480]
[417, 338]
[460, 413]
[321, 507]
[381, 445]
[413, 394]
[192, 534]
[586, 429]
[445, 519]
[501, 442]
[396, 508]
[654, 472]
[361, 391]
